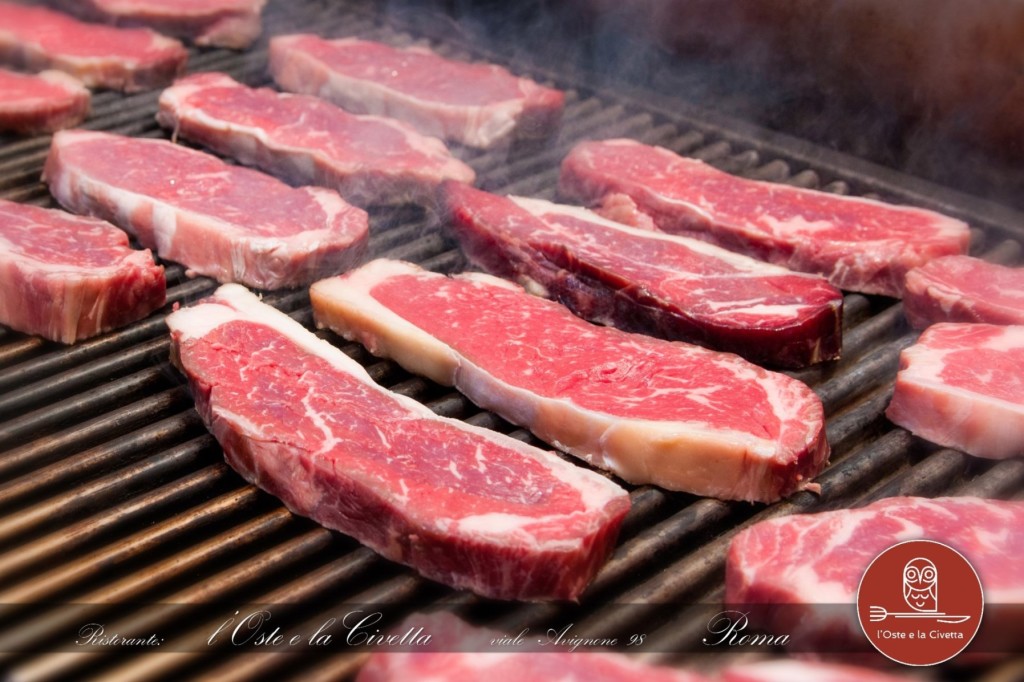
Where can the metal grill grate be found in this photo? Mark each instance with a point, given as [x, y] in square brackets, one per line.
[113, 493]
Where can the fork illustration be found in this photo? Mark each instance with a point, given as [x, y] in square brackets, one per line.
[878, 613]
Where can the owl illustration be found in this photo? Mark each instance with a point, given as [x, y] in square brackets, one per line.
[921, 585]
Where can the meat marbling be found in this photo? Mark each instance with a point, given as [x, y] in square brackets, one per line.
[964, 289]
[480, 105]
[859, 244]
[649, 281]
[962, 386]
[217, 23]
[463, 505]
[305, 140]
[810, 561]
[651, 411]
[36, 38]
[41, 103]
[223, 221]
[67, 278]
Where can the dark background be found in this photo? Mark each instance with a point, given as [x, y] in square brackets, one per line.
[932, 88]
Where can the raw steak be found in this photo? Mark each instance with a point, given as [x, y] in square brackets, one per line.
[220, 23]
[459, 652]
[794, 670]
[462, 505]
[859, 244]
[964, 289]
[67, 278]
[41, 104]
[652, 411]
[814, 562]
[962, 386]
[227, 222]
[476, 104]
[306, 140]
[648, 281]
[36, 38]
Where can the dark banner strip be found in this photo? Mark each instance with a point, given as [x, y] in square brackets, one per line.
[306, 628]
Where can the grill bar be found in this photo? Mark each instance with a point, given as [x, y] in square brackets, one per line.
[117, 453]
[64, 542]
[132, 414]
[112, 493]
[61, 580]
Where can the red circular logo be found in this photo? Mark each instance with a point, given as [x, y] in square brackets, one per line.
[920, 602]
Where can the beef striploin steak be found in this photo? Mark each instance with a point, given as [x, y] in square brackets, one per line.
[41, 103]
[962, 386]
[649, 281]
[859, 244]
[217, 23]
[67, 278]
[479, 105]
[36, 38]
[814, 562]
[463, 505]
[223, 221]
[305, 140]
[964, 289]
[652, 411]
